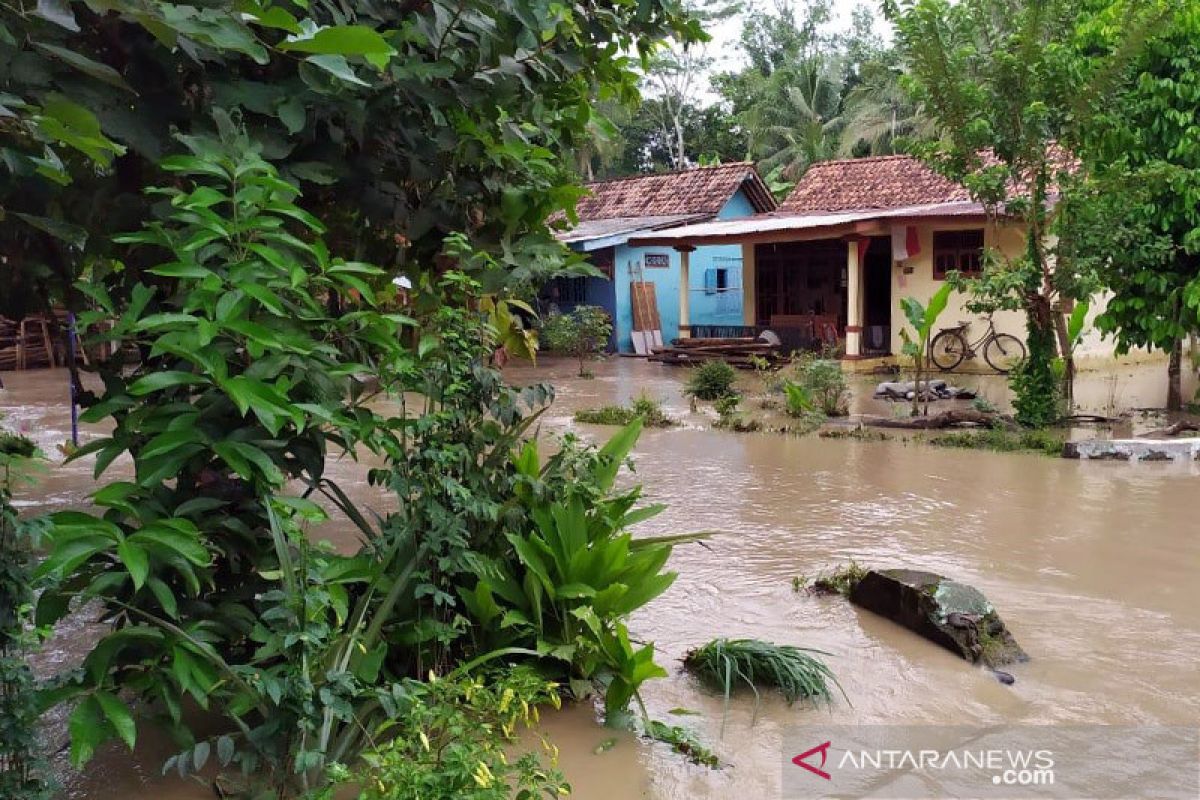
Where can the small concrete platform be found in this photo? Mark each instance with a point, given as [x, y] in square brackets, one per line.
[1184, 449]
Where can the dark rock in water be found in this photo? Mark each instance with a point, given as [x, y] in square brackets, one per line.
[954, 615]
[1004, 677]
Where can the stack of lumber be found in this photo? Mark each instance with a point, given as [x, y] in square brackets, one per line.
[735, 352]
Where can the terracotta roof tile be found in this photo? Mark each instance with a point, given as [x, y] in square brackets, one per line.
[700, 190]
[864, 183]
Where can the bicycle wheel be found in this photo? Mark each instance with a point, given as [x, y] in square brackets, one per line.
[948, 349]
[1003, 352]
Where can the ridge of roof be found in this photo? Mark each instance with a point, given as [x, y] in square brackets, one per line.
[682, 170]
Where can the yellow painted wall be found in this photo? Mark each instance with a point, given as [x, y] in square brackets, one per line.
[920, 283]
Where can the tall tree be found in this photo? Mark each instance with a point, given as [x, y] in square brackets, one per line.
[1136, 220]
[1005, 84]
[677, 74]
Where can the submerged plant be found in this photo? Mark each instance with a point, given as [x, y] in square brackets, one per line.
[645, 407]
[682, 741]
[840, 580]
[797, 672]
[712, 380]
[824, 385]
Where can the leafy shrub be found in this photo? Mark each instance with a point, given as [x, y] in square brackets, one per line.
[576, 572]
[729, 418]
[799, 399]
[448, 738]
[825, 385]
[646, 408]
[583, 333]
[21, 763]
[711, 380]
[796, 671]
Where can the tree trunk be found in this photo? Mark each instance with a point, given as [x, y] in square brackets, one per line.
[1175, 378]
[1065, 348]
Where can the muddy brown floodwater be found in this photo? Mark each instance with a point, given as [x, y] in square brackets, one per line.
[1093, 566]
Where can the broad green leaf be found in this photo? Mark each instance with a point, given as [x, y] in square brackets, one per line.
[86, 65]
[135, 560]
[157, 381]
[63, 231]
[338, 67]
[344, 40]
[87, 729]
[119, 717]
[937, 304]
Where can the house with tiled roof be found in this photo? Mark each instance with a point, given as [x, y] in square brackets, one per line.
[646, 285]
[853, 239]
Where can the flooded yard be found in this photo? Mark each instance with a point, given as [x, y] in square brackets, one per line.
[1092, 565]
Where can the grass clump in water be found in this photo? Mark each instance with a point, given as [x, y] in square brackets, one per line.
[646, 407]
[841, 580]
[1002, 440]
[860, 433]
[796, 672]
[684, 742]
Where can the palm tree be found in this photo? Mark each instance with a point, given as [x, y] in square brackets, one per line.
[879, 112]
[803, 126]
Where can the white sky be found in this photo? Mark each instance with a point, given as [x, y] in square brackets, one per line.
[725, 43]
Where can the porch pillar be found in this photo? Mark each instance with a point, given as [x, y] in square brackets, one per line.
[854, 298]
[685, 324]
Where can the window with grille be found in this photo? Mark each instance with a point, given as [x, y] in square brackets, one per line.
[957, 250]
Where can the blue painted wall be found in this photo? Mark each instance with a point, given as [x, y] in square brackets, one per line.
[707, 304]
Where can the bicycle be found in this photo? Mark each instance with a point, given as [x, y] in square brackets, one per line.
[1002, 351]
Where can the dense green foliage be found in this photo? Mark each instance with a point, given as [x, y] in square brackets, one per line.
[578, 572]
[255, 343]
[1009, 87]
[712, 380]
[823, 383]
[1133, 218]
[405, 122]
[456, 732]
[21, 773]
[582, 332]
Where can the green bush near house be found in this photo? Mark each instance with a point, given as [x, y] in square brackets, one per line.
[582, 333]
[711, 380]
[825, 385]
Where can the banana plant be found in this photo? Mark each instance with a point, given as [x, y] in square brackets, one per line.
[922, 318]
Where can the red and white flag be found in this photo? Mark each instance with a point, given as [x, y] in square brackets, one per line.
[905, 242]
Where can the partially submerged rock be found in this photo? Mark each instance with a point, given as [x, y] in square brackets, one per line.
[1143, 449]
[952, 614]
